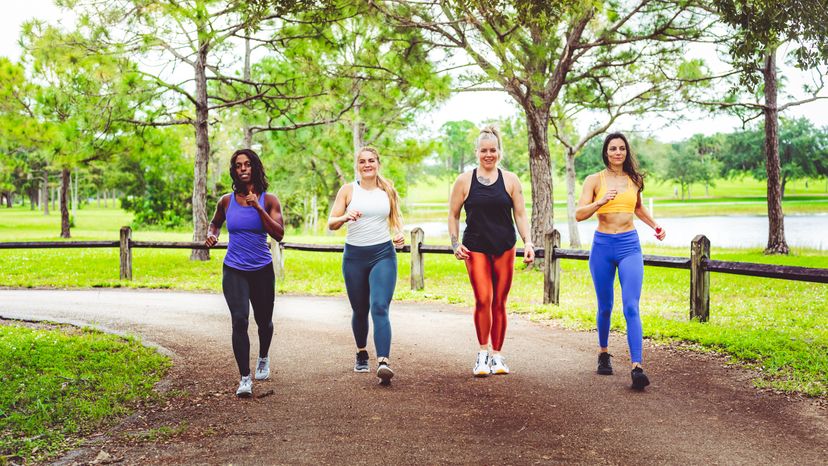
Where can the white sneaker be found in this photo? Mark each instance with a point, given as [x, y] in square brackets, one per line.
[245, 389]
[263, 368]
[498, 366]
[481, 368]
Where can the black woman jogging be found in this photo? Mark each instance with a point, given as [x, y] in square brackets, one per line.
[248, 278]
[369, 206]
[615, 195]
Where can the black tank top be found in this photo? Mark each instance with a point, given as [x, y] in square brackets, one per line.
[489, 227]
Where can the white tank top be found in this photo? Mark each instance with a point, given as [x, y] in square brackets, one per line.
[372, 227]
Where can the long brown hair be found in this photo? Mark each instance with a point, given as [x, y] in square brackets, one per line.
[395, 218]
[630, 162]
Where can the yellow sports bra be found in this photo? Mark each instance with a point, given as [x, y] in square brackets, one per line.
[623, 202]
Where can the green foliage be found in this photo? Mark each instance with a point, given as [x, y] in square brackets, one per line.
[59, 384]
[156, 178]
[803, 152]
[761, 27]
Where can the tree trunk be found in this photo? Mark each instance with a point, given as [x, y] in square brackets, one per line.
[64, 203]
[574, 236]
[540, 169]
[202, 154]
[776, 219]
[45, 189]
[357, 131]
[74, 186]
[248, 132]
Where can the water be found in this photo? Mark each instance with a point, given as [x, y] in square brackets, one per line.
[810, 231]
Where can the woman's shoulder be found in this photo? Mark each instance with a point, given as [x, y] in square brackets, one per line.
[464, 177]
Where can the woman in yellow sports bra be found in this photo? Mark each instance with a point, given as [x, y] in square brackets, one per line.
[615, 195]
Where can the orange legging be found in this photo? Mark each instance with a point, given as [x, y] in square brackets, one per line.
[491, 279]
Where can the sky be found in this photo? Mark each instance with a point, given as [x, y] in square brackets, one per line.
[473, 106]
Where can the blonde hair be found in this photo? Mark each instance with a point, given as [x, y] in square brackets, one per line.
[488, 133]
[395, 218]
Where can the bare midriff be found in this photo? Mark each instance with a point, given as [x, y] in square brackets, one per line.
[615, 222]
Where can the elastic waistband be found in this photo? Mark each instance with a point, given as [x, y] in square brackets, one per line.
[369, 251]
[627, 235]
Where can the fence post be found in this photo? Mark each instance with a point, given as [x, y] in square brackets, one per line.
[278, 260]
[551, 268]
[699, 279]
[417, 266]
[126, 253]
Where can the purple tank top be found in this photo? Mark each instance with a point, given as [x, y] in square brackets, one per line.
[247, 248]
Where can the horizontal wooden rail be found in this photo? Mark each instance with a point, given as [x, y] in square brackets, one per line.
[173, 245]
[58, 244]
[786, 272]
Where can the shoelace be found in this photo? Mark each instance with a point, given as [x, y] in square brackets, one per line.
[262, 364]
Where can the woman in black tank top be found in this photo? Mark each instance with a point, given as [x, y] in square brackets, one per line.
[491, 197]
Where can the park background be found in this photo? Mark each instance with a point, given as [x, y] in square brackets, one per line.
[113, 116]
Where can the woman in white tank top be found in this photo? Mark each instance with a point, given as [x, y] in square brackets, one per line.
[370, 207]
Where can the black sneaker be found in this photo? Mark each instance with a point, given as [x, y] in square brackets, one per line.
[639, 379]
[604, 364]
[385, 373]
[362, 362]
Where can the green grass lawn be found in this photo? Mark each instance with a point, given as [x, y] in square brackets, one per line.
[61, 383]
[779, 326]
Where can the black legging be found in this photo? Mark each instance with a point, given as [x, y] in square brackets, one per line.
[242, 288]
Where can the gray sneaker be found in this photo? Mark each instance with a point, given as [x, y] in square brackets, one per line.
[245, 389]
[263, 368]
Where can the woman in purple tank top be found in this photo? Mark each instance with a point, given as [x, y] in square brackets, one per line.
[251, 214]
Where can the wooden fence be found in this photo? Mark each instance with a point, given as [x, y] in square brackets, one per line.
[699, 263]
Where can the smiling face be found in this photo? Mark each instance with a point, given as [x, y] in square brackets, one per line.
[487, 153]
[243, 168]
[367, 164]
[616, 152]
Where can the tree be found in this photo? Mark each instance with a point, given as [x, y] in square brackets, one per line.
[200, 35]
[692, 161]
[759, 29]
[79, 101]
[803, 152]
[531, 50]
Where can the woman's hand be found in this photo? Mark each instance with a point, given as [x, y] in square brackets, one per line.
[528, 253]
[399, 240]
[252, 200]
[461, 252]
[610, 195]
[211, 240]
[352, 216]
[660, 233]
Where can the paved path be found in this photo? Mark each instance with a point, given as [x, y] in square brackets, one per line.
[553, 408]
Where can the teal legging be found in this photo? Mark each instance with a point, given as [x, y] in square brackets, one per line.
[370, 277]
[620, 251]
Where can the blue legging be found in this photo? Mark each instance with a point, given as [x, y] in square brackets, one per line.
[621, 251]
[370, 277]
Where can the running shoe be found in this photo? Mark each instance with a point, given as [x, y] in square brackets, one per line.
[639, 379]
[385, 373]
[498, 367]
[263, 368]
[362, 362]
[604, 364]
[481, 367]
[245, 389]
